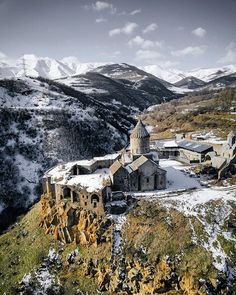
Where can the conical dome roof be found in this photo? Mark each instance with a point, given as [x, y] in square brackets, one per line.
[139, 131]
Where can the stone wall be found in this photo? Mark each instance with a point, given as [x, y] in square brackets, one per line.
[140, 145]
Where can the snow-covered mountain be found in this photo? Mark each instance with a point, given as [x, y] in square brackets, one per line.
[169, 75]
[209, 74]
[68, 66]
[206, 74]
[121, 83]
[46, 67]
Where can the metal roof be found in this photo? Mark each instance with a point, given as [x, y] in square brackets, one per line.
[194, 146]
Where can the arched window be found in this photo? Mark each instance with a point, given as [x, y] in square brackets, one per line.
[94, 200]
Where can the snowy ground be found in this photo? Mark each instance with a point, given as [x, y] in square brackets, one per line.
[185, 194]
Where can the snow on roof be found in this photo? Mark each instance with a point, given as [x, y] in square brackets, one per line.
[169, 144]
[91, 182]
[107, 157]
[62, 170]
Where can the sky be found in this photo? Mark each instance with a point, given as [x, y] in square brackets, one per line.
[182, 34]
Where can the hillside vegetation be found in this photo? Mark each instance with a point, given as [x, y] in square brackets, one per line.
[195, 112]
[165, 250]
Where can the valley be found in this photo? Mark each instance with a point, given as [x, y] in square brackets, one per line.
[175, 240]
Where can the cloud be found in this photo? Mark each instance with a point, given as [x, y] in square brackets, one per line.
[2, 55]
[101, 6]
[100, 20]
[199, 32]
[148, 55]
[144, 44]
[168, 63]
[134, 12]
[150, 28]
[127, 29]
[230, 55]
[190, 50]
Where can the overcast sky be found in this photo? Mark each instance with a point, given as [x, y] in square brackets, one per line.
[183, 34]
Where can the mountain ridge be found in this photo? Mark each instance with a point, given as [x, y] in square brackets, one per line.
[58, 68]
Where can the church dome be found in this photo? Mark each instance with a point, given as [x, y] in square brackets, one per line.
[139, 131]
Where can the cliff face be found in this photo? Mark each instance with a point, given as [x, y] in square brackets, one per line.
[156, 248]
[71, 223]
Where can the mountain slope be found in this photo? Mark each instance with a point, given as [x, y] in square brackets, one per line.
[212, 112]
[44, 122]
[212, 73]
[222, 82]
[177, 244]
[121, 83]
[190, 83]
[32, 65]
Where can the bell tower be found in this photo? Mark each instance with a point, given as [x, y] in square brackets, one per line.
[139, 139]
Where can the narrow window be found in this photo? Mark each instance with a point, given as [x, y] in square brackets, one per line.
[85, 203]
[147, 179]
[94, 205]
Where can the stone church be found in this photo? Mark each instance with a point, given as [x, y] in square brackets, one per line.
[91, 184]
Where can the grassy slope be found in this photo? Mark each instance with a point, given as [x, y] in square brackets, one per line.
[24, 246]
[202, 112]
[169, 233]
[21, 248]
[149, 225]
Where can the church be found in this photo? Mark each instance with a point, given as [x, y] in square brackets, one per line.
[92, 184]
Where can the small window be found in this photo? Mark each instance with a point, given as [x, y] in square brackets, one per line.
[87, 197]
[147, 179]
[85, 203]
[95, 205]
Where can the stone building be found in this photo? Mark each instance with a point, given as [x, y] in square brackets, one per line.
[90, 184]
[225, 160]
[193, 152]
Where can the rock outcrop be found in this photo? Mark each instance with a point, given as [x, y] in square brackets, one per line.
[70, 223]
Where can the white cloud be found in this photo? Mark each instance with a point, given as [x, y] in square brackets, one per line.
[101, 6]
[100, 20]
[114, 32]
[127, 29]
[2, 55]
[230, 55]
[150, 28]
[134, 12]
[199, 32]
[148, 55]
[190, 50]
[144, 44]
